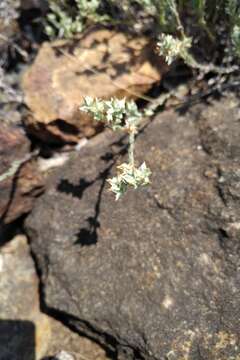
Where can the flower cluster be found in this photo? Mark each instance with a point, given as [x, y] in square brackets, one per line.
[66, 20]
[121, 114]
[129, 175]
[60, 24]
[117, 113]
[171, 48]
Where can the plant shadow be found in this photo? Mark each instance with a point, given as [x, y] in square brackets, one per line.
[17, 340]
[88, 235]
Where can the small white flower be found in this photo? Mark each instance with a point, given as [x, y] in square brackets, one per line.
[171, 48]
[120, 114]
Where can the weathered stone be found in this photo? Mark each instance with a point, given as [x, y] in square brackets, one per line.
[63, 355]
[101, 64]
[8, 26]
[19, 189]
[153, 275]
[63, 340]
[24, 330]
[10, 97]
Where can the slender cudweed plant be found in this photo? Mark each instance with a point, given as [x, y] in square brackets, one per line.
[121, 115]
[233, 12]
[171, 48]
[64, 22]
[235, 37]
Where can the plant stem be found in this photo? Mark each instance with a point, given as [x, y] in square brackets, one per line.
[207, 30]
[173, 7]
[190, 60]
[131, 147]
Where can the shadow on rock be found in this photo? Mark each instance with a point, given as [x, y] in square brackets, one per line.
[17, 340]
[88, 235]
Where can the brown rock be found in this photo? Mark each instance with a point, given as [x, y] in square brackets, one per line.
[18, 190]
[79, 347]
[101, 64]
[24, 330]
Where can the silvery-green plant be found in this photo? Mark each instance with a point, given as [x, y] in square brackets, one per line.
[170, 17]
[235, 36]
[178, 46]
[171, 48]
[120, 114]
[64, 21]
[60, 24]
[233, 12]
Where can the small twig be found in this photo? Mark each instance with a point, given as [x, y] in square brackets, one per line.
[195, 98]
[131, 148]
[189, 59]
[16, 165]
[22, 52]
[175, 12]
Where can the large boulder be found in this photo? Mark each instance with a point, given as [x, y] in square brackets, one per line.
[154, 275]
[102, 63]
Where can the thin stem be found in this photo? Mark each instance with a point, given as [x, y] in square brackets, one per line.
[15, 165]
[22, 52]
[190, 60]
[174, 10]
[206, 29]
[131, 147]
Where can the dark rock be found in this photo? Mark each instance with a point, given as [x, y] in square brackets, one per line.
[34, 4]
[26, 333]
[153, 275]
[20, 188]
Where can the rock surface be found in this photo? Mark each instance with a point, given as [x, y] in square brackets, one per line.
[18, 190]
[154, 275]
[8, 25]
[24, 330]
[65, 341]
[102, 64]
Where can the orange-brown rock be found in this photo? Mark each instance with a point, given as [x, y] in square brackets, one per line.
[101, 64]
[18, 189]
